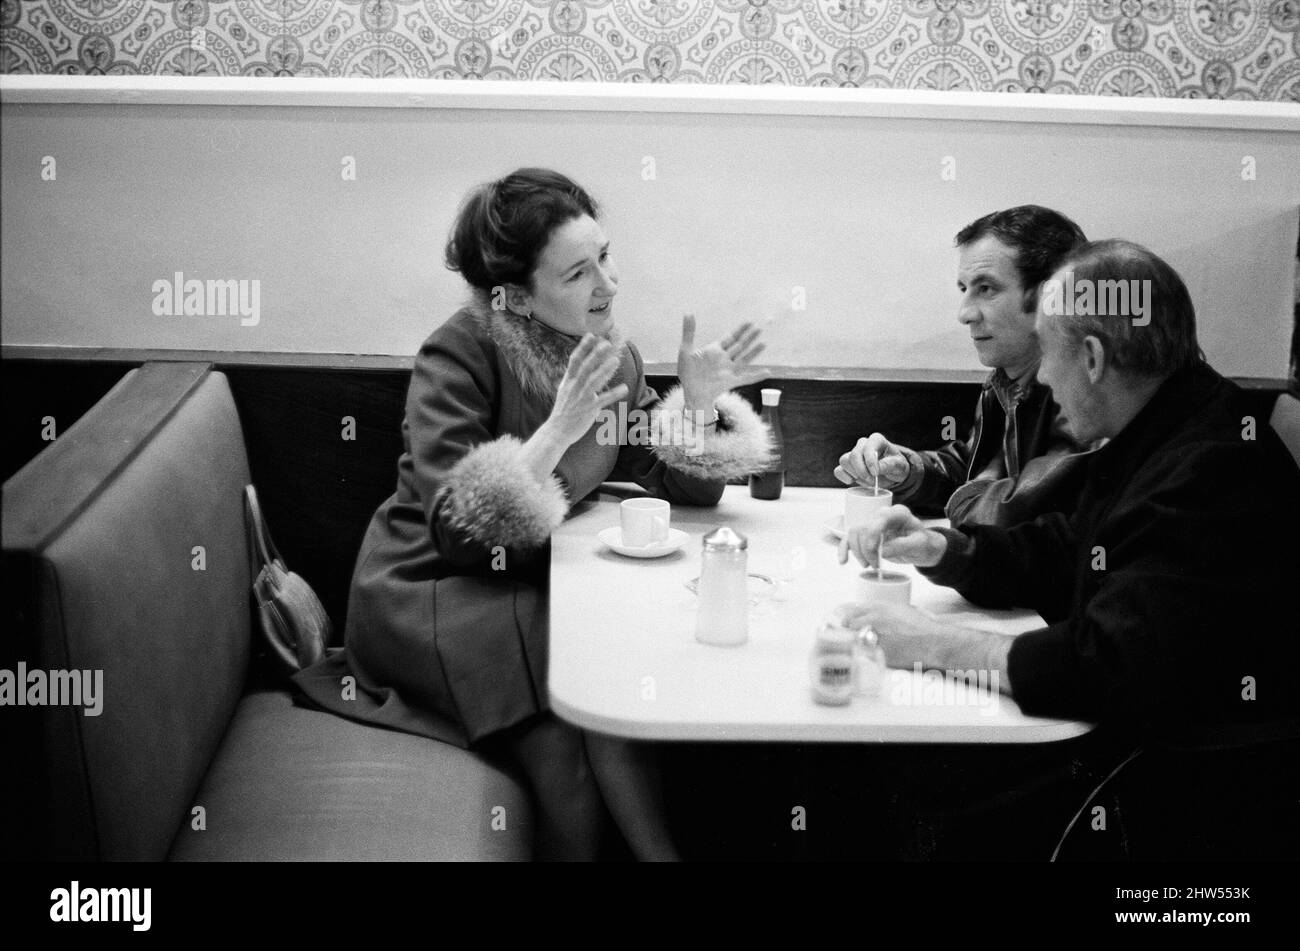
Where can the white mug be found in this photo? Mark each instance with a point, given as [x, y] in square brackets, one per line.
[884, 587]
[645, 522]
[861, 501]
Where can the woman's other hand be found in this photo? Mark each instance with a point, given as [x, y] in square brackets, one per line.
[580, 396]
[578, 401]
[708, 372]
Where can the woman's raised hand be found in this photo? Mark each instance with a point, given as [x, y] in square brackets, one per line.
[580, 397]
[708, 372]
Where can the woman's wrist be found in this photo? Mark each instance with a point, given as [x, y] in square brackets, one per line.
[698, 399]
[700, 421]
[543, 451]
[699, 404]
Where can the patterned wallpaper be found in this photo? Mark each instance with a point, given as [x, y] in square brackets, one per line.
[1233, 49]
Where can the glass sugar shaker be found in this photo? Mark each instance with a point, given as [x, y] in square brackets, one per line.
[869, 665]
[831, 665]
[723, 589]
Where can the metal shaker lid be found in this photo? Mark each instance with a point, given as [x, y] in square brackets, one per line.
[834, 636]
[724, 539]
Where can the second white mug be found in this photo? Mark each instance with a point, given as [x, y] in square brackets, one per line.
[861, 501]
[883, 587]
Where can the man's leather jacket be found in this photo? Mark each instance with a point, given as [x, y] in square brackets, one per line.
[1012, 468]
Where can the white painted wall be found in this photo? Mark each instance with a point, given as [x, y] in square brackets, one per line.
[756, 192]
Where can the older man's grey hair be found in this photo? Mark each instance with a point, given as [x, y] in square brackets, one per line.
[1155, 347]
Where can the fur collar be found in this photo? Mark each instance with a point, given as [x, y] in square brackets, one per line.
[536, 354]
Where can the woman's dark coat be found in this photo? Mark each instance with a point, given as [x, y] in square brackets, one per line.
[447, 618]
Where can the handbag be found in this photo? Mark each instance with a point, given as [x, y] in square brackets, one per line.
[292, 618]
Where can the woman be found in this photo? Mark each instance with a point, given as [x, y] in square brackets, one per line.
[446, 628]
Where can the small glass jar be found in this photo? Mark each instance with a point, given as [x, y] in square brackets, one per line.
[869, 667]
[831, 665]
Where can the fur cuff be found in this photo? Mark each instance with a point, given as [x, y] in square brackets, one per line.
[494, 498]
[739, 445]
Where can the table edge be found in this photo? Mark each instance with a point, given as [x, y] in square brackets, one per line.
[1050, 730]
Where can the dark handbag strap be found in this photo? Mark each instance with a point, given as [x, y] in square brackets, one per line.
[265, 551]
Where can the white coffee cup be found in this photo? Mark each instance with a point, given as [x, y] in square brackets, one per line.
[861, 502]
[884, 587]
[645, 522]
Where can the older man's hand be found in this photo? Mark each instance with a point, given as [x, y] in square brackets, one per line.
[900, 534]
[906, 634]
[909, 636]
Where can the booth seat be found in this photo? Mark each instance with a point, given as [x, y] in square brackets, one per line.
[125, 553]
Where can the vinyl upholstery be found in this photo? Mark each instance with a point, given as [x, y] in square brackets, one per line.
[125, 551]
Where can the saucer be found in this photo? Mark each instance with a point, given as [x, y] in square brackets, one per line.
[612, 537]
[835, 526]
[761, 587]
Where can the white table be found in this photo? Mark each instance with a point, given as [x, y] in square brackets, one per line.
[624, 659]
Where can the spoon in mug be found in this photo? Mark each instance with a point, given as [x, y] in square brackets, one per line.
[880, 542]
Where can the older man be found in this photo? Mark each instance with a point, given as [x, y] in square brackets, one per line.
[1016, 463]
[1169, 594]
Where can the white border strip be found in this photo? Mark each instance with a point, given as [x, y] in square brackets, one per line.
[632, 97]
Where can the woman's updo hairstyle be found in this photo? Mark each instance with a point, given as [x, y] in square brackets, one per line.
[503, 226]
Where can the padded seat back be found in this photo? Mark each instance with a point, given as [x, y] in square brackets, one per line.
[125, 552]
[1286, 422]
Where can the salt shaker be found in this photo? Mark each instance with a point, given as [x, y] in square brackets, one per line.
[723, 589]
[868, 663]
[831, 665]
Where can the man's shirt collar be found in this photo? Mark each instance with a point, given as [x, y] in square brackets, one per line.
[1010, 392]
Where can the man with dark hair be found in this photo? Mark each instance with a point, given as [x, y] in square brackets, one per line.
[1015, 464]
[1169, 593]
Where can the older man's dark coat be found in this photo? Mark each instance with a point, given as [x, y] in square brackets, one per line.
[1171, 591]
